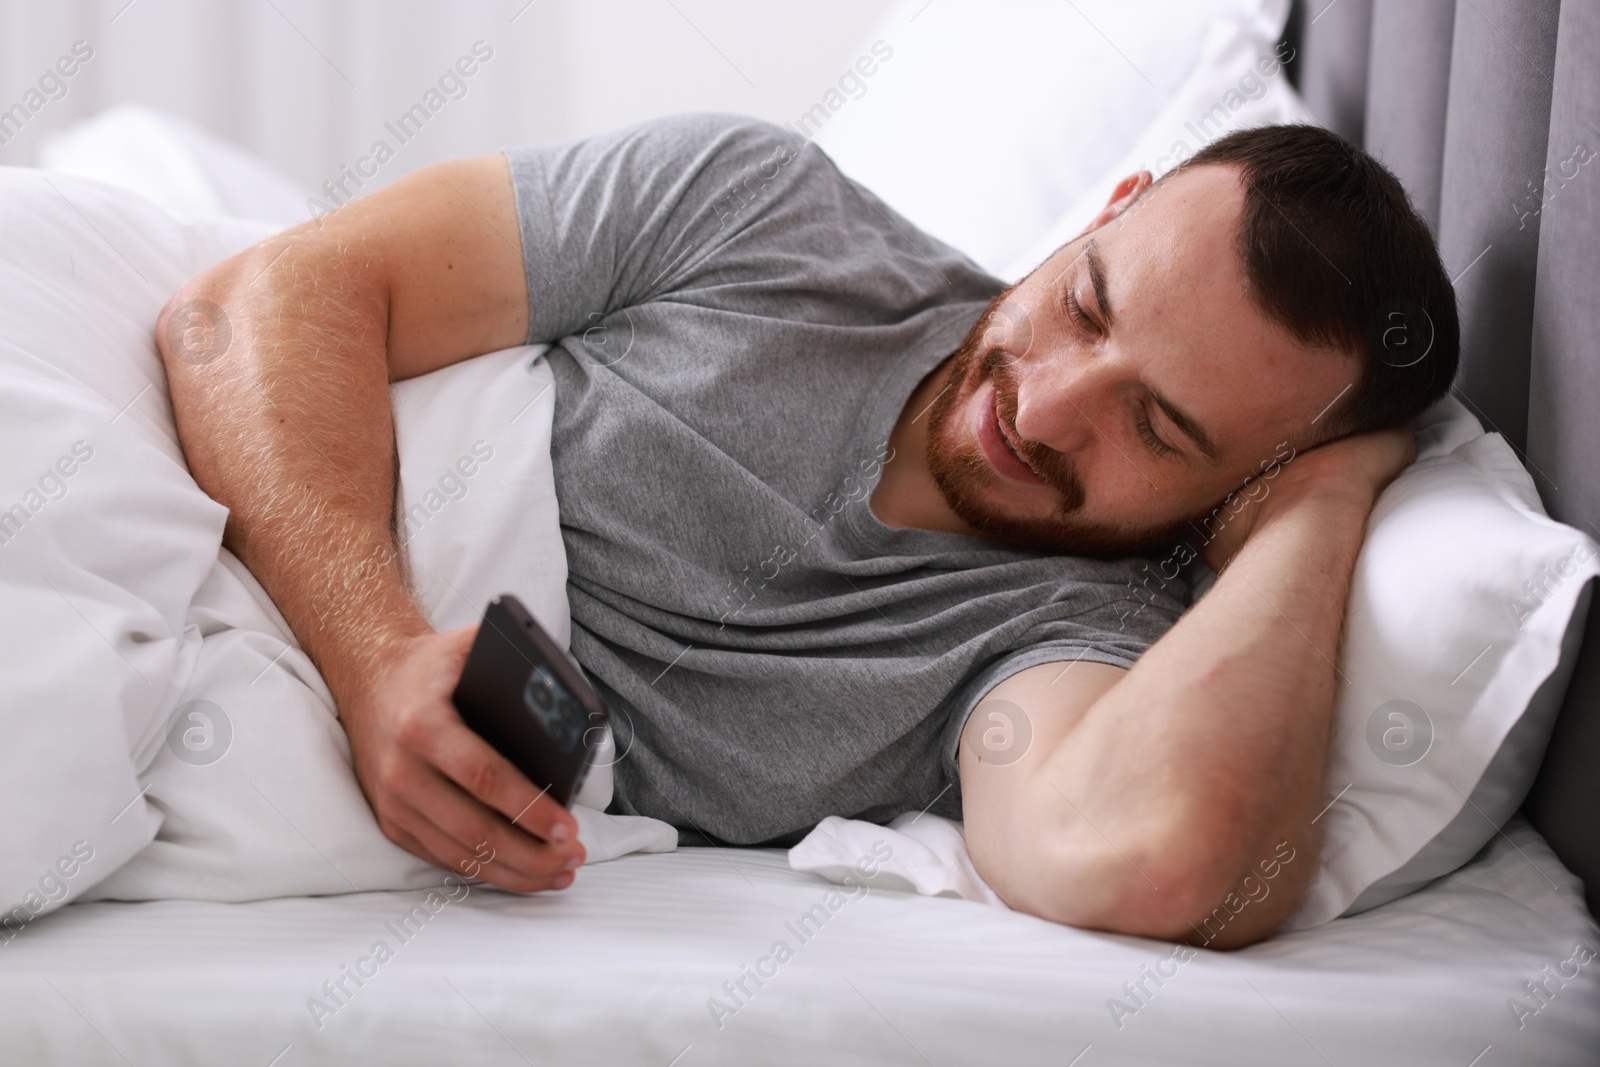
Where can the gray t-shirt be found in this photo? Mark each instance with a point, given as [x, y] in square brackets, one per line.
[736, 328]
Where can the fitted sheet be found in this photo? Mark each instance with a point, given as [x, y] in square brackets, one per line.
[621, 969]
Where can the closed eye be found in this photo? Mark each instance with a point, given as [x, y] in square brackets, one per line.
[1076, 313]
[1147, 433]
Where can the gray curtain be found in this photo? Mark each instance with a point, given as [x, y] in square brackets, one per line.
[1489, 111]
[1563, 403]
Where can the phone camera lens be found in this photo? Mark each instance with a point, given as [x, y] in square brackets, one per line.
[563, 720]
[539, 693]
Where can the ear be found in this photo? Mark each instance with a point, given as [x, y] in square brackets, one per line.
[1126, 192]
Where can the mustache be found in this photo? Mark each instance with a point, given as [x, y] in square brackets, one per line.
[1056, 469]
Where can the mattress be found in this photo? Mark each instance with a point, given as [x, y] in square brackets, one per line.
[707, 956]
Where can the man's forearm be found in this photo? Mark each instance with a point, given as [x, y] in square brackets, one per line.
[1189, 771]
[1230, 713]
[290, 427]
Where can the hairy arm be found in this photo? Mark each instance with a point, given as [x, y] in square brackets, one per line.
[289, 425]
[1151, 798]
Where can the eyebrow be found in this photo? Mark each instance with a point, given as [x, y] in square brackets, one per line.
[1191, 429]
[1181, 419]
[1097, 282]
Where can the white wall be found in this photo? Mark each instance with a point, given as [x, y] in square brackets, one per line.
[309, 84]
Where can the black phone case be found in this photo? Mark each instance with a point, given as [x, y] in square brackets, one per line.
[525, 696]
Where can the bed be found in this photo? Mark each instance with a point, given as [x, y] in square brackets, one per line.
[666, 959]
[645, 966]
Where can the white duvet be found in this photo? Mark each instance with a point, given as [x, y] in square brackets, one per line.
[253, 773]
[165, 735]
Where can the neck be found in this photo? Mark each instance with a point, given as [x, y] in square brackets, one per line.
[907, 495]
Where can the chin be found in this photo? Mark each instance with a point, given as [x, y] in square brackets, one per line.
[1057, 537]
[1011, 514]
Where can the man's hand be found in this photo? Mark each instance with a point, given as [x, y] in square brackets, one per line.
[439, 790]
[1352, 468]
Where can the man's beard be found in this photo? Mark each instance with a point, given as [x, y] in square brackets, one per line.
[963, 473]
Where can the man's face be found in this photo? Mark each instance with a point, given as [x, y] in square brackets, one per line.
[1128, 384]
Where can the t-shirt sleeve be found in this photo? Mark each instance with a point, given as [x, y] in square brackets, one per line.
[1115, 625]
[614, 221]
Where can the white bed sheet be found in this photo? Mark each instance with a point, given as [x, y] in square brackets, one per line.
[620, 969]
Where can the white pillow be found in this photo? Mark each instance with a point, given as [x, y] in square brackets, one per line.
[1449, 547]
[1238, 83]
[475, 517]
[1462, 600]
[175, 164]
[989, 120]
[1503, 787]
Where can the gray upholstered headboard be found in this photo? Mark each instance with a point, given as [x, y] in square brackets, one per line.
[1489, 111]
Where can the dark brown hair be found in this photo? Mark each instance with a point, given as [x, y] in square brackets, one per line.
[1335, 253]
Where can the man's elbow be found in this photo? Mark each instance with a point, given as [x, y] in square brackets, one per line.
[1177, 883]
[193, 329]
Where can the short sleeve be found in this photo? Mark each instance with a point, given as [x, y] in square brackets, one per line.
[613, 221]
[1118, 627]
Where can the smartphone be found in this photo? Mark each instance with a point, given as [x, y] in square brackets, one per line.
[524, 695]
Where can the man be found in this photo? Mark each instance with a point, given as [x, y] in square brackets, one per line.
[825, 486]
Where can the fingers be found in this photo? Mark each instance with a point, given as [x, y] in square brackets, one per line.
[1392, 451]
[483, 861]
[475, 840]
[1408, 445]
[409, 841]
[472, 763]
[443, 793]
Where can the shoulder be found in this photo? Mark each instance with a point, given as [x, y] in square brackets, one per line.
[674, 145]
[723, 129]
[698, 167]
[734, 153]
[771, 205]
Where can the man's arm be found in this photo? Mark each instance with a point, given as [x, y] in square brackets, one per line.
[1150, 795]
[290, 427]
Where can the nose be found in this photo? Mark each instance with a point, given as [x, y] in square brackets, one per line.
[1063, 398]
